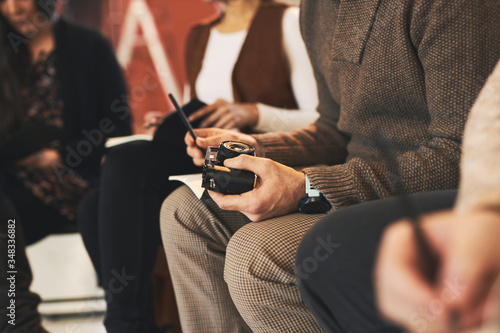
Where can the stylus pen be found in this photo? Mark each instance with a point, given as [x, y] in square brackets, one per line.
[428, 258]
[185, 120]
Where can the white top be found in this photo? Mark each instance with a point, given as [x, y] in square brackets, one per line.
[214, 80]
[220, 57]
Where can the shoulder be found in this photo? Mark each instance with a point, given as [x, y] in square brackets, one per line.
[205, 24]
[291, 26]
[291, 18]
[79, 36]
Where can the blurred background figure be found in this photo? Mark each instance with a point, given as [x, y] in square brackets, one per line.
[57, 82]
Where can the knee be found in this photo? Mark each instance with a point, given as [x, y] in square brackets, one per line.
[316, 253]
[128, 156]
[250, 257]
[86, 213]
[180, 212]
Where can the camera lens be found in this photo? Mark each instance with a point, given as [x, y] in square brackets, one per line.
[230, 149]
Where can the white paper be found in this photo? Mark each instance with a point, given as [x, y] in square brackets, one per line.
[119, 140]
[193, 181]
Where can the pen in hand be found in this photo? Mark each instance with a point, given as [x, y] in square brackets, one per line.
[186, 122]
[428, 258]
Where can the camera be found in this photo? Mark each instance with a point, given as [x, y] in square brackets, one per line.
[216, 177]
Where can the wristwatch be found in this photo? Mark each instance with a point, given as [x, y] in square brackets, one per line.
[314, 202]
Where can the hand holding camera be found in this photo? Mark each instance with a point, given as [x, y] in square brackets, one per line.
[278, 189]
[216, 177]
[267, 188]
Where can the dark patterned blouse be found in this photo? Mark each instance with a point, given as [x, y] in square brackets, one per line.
[58, 186]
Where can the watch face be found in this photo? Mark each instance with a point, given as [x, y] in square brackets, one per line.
[314, 205]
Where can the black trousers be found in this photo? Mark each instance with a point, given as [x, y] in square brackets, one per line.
[337, 286]
[33, 221]
[120, 227]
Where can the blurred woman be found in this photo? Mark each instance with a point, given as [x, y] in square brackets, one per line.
[251, 67]
[58, 82]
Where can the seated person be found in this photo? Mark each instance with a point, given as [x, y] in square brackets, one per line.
[57, 82]
[336, 284]
[252, 68]
[465, 238]
[389, 67]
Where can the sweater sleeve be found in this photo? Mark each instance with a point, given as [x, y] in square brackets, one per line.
[302, 79]
[453, 75]
[480, 174]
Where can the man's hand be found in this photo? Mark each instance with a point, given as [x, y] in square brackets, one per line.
[466, 294]
[277, 192]
[213, 137]
[42, 159]
[223, 114]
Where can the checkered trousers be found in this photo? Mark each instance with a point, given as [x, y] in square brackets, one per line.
[230, 274]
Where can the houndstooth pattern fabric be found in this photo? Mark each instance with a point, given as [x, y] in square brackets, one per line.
[195, 243]
[260, 274]
[258, 279]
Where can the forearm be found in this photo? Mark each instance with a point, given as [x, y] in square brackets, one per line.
[318, 143]
[480, 169]
[315, 144]
[272, 119]
[359, 181]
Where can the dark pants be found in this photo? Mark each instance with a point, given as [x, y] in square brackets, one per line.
[338, 287]
[33, 221]
[120, 227]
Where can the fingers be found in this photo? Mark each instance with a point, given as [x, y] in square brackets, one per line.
[226, 202]
[206, 137]
[473, 264]
[245, 202]
[402, 293]
[41, 159]
[153, 119]
[211, 137]
[226, 121]
[196, 155]
[202, 133]
[204, 111]
[220, 112]
[257, 165]
[210, 141]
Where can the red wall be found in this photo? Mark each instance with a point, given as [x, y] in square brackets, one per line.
[172, 18]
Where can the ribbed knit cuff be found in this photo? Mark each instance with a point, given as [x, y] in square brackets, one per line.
[335, 183]
[273, 147]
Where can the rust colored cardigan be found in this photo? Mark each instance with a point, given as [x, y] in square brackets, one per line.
[261, 73]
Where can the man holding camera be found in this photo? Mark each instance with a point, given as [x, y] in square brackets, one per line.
[408, 70]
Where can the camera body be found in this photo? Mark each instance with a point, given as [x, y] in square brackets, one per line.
[216, 177]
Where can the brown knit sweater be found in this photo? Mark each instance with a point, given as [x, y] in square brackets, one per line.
[410, 69]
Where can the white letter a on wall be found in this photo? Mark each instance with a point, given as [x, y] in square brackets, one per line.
[139, 15]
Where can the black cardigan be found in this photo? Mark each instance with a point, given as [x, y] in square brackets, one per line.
[93, 91]
[94, 94]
